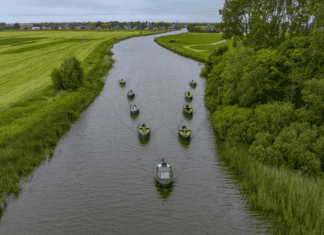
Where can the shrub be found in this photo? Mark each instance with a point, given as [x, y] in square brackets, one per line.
[236, 123]
[297, 147]
[57, 79]
[70, 75]
[259, 79]
[274, 116]
[215, 57]
[234, 42]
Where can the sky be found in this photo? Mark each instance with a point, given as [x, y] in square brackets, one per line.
[37, 11]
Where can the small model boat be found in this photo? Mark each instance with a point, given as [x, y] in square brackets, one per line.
[122, 82]
[144, 131]
[192, 83]
[188, 110]
[188, 96]
[134, 110]
[164, 173]
[130, 94]
[184, 133]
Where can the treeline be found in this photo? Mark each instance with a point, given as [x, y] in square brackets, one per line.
[272, 98]
[268, 22]
[203, 28]
[93, 25]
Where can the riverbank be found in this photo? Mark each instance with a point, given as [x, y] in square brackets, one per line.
[32, 125]
[293, 201]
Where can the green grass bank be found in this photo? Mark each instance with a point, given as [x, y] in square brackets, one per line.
[196, 46]
[32, 125]
[291, 199]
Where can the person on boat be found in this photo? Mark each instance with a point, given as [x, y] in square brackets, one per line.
[163, 163]
[192, 81]
[187, 107]
[184, 130]
[188, 93]
[131, 91]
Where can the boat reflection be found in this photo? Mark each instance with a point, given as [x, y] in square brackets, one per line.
[164, 190]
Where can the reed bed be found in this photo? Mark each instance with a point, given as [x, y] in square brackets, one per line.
[293, 201]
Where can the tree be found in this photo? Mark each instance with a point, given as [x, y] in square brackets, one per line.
[316, 8]
[16, 26]
[98, 24]
[70, 75]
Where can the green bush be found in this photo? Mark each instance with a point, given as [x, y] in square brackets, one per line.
[274, 116]
[236, 123]
[234, 42]
[256, 79]
[214, 89]
[242, 124]
[57, 79]
[296, 147]
[70, 75]
[215, 57]
[313, 95]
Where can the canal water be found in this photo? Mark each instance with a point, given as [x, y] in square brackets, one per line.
[101, 177]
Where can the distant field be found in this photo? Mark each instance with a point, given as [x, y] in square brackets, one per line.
[213, 47]
[195, 38]
[25, 67]
[197, 44]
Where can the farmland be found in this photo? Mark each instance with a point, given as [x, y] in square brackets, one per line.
[25, 67]
[194, 45]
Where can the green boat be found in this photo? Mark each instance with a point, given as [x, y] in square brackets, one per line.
[187, 110]
[122, 82]
[143, 131]
[184, 133]
[188, 96]
[192, 83]
[130, 94]
[134, 110]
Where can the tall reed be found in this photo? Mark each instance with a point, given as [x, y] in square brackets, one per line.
[294, 202]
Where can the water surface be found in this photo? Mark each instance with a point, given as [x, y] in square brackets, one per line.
[101, 177]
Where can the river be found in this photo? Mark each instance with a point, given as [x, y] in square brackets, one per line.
[101, 177]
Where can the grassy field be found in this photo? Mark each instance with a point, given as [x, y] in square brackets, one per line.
[25, 67]
[194, 45]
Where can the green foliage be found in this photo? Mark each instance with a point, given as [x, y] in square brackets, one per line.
[313, 56]
[242, 124]
[236, 123]
[215, 87]
[313, 97]
[256, 79]
[57, 79]
[215, 57]
[70, 76]
[296, 147]
[17, 26]
[291, 47]
[273, 117]
[234, 42]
